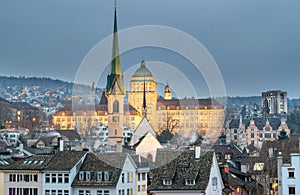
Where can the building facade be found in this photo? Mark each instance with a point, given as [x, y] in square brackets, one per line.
[276, 100]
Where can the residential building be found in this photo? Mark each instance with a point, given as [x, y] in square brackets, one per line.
[276, 101]
[288, 177]
[25, 176]
[189, 173]
[106, 174]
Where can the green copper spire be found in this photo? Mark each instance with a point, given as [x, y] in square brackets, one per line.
[115, 67]
[115, 82]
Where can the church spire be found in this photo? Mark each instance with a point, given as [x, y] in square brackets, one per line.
[144, 99]
[115, 83]
[115, 67]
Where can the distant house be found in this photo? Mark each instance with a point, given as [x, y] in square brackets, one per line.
[244, 132]
[187, 174]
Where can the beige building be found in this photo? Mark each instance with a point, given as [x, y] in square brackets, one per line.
[143, 77]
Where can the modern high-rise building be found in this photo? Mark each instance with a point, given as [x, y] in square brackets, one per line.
[275, 101]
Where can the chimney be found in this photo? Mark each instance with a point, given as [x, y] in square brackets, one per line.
[197, 152]
[60, 144]
[279, 174]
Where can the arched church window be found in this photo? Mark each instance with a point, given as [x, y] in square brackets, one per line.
[116, 106]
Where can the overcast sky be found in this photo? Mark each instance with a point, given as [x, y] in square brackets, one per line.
[256, 43]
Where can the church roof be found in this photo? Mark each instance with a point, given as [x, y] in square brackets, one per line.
[141, 130]
[189, 104]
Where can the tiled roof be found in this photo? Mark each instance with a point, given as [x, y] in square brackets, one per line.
[191, 104]
[22, 105]
[116, 159]
[89, 110]
[94, 164]
[36, 162]
[183, 167]
[259, 123]
[231, 148]
[65, 160]
[70, 134]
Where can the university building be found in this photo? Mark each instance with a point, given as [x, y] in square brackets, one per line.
[182, 115]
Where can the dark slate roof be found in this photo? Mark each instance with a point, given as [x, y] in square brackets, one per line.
[183, 167]
[36, 162]
[65, 160]
[94, 164]
[70, 134]
[229, 148]
[275, 122]
[141, 162]
[116, 159]
[21, 105]
[3, 100]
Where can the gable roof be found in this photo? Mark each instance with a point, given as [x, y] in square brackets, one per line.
[93, 164]
[141, 131]
[65, 160]
[183, 167]
[260, 123]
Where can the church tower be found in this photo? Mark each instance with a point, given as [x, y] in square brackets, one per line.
[167, 94]
[115, 92]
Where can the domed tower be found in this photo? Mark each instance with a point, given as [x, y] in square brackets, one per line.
[167, 94]
[143, 78]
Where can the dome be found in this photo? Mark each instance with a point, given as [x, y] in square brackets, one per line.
[142, 71]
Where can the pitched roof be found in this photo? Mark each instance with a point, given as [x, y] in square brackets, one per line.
[65, 160]
[260, 122]
[22, 105]
[70, 134]
[141, 131]
[94, 164]
[183, 167]
[36, 162]
[89, 110]
[192, 104]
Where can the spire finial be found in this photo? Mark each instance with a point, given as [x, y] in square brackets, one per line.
[144, 100]
[115, 5]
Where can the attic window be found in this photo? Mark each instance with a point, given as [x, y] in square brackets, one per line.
[81, 175]
[100, 176]
[167, 182]
[88, 175]
[107, 175]
[190, 182]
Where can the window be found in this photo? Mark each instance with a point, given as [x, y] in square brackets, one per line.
[143, 176]
[130, 177]
[66, 192]
[167, 182]
[60, 178]
[81, 175]
[139, 188]
[53, 192]
[106, 176]
[228, 156]
[66, 178]
[252, 135]
[12, 177]
[35, 178]
[123, 177]
[53, 178]
[116, 107]
[81, 192]
[99, 192]
[292, 190]
[139, 177]
[291, 174]
[190, 182]
[143, 188]
[88, 175]
[47, 192]
[88, 192]
[267, 135]
[99, 176]
[215, 183]
[59, 192]
[106, 192]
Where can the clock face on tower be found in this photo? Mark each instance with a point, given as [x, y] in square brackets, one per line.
[115, 119]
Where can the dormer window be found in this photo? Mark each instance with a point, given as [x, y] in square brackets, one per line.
[88, 175]
[167, 182]
[99, 176]
[107, 175]
[81, 175]
[190, 182]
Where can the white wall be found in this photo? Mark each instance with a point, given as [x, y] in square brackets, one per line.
[215, 172]
[286, 181]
